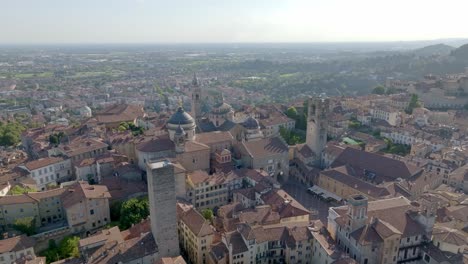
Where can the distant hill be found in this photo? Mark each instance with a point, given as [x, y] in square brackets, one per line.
[461, 53]
[437, 49]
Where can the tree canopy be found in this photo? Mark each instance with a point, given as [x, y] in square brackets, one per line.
[10, 133]
[26, 225]
[291, 137]
[379, 90]
[291, 112]
[67, 248]
[414, 103]
[56, 138]
[136, 130]
[133, 211]
[17, 190]
[208, 214]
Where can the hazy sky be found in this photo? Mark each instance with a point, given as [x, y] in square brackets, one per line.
[106, 21]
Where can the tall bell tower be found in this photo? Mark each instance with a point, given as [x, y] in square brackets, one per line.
[163, 208]
[196, 98]
[317, 124]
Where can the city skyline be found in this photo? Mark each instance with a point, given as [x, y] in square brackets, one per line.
[184, 21]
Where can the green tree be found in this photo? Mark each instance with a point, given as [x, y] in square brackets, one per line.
[378, 90]
[291, 112]
[10, 133]
[68, 247]
[208, 214]
[133, 211]
[17, 190]
[414, 103]
[26, 225]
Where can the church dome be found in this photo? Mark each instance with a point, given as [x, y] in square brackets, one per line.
[221, 108]
[181, 118]
[251, 123]
[180, 131]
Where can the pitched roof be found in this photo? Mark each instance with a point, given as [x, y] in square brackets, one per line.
[345, 174]
[193, 146]
[394, 211]
[265, 147]
[82, 145]
[16, 199]
[16, 243]
[197, 223]
[449, 235]
[120, 113]
[82, 190]
[40, 163]
[157, 144]
[284, 204]
[374, 232]
[238, 245]
[383, 168]
[214, 137]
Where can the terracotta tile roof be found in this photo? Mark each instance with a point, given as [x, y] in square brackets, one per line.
[113, 246]
[261, 215]
[238, 245]
[40, 163]
[383, 168]
[111, 234]
[265, 147]
[156, 144]
[299, 233]
[144, 226]
[270, 234]
[197, 223]
[16, 199]
[16, 243]
[284, 204]
[214, 137]
[82, 145]
[47, 194]
[127, 251]
[192, 146]
[120, 113]
[82, 190]
[198, 177]
[449, 235]
[345, 175]
[394, 211]
[374, 232]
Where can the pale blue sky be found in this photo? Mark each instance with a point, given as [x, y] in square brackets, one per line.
[157, 21]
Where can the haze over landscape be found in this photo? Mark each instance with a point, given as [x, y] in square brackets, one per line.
[211, 21]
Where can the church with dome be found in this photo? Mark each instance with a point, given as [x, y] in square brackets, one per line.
[212, 142]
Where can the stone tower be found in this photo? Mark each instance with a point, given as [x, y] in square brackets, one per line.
[196, 98]
[357, 211]
[317, 123]
[162, 201]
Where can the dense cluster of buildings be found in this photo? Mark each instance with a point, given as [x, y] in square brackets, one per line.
[214, 179]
